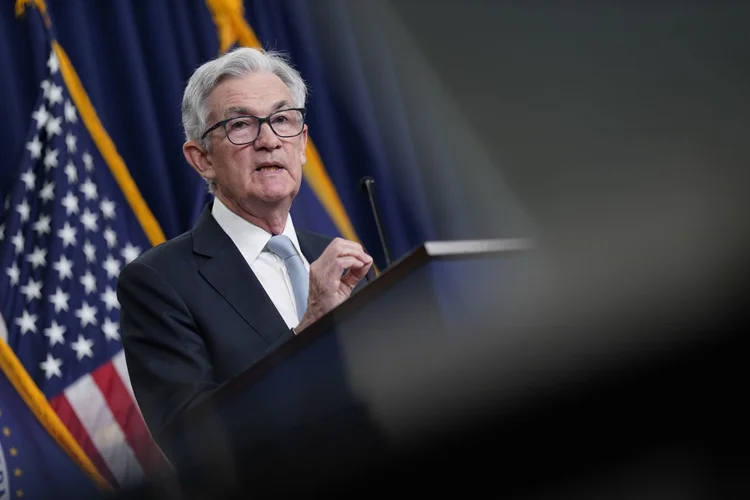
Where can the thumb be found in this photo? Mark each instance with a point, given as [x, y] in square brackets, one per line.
[354, 274]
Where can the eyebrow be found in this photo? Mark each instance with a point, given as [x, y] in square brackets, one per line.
[237, 111]
[281, 104]
[241, 110]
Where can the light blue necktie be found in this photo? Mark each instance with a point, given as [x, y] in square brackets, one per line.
[282, 246]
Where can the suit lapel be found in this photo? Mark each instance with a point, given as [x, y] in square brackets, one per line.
[227, 271]
[311, 245]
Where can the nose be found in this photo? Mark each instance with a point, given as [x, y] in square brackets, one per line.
[267, 139]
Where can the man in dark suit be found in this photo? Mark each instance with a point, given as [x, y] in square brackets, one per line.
[204, 306]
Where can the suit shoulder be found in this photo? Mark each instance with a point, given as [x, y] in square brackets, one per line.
[166, 253]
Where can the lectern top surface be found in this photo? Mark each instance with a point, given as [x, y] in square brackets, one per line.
[468, 247]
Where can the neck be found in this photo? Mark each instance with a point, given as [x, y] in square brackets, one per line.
[271, 218]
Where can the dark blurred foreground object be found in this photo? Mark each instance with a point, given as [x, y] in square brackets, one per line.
[465, 369]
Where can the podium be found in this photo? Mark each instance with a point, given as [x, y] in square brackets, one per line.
[358, 383]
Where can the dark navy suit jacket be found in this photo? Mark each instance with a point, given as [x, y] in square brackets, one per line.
[193, 315]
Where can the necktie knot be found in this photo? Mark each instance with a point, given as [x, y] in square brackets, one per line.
[282, 246]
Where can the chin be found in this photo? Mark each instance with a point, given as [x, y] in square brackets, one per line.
[276, 196]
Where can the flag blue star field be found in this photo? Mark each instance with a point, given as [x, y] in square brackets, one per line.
[66, 231]
[28, 453]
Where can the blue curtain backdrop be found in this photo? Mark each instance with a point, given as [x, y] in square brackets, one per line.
[134, 59]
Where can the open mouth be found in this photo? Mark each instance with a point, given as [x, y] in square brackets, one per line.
[270, 167]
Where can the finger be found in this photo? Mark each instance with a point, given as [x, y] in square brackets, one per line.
[345, 242]
[332, 265]
[346, 253]
[360, 272]
[357, 254]
[355, 275]
[333, 269]
[342, 246]
[348, 262]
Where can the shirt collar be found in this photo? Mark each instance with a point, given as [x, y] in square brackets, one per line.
[249, 238]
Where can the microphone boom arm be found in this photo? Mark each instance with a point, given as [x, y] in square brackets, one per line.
[368, 186]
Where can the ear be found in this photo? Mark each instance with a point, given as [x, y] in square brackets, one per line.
[303, 146]
[199, 159]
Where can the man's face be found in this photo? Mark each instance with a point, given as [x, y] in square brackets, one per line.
[242, 173]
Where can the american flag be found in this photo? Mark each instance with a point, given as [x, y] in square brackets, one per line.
[65, 233]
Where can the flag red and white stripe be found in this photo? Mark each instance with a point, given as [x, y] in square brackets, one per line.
[100, 411]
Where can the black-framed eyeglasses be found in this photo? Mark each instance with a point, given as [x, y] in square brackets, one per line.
[241, 130]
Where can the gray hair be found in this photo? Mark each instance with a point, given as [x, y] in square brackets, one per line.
[234, 64]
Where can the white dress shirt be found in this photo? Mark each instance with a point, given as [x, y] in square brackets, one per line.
[271, 271]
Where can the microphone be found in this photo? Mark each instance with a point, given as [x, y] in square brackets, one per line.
[368, 186]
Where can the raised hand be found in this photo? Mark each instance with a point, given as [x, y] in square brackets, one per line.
[333, 277]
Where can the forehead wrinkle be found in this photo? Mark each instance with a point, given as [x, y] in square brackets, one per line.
[243, 110]
[233, 92]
